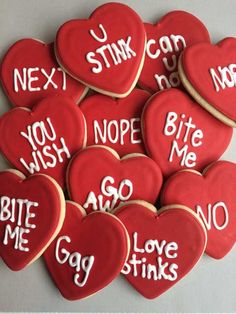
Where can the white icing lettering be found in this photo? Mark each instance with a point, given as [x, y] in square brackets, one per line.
[138, 264]
[160, 79]
[18, 211]
[152, 55]
[60, 151]
[211, 219]
[45, 156]
[114, 194]
[119, 53]
[110, 53]
[49, 78]
[226, 77]
[90, 58]
[82, 265]
[188, 159]
[26, 80]
[101, 51]
[164, 83]
[135, 132]
[166, 45]
[63, 87]
[151, 245]
[176, 40]
[183, 130]
[104, 34]
[32, 79]
[117, 131]
[136, 249]
[167, 63]
[113, 126]
[20, 79]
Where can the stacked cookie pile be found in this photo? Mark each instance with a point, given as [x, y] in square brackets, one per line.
[105, 115]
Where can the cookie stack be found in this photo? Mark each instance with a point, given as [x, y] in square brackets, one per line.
[126, 120]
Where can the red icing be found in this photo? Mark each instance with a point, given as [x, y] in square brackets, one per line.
[216, 185]
[201, 144]
[197, 62]
[173, 224]
[90, 167]
[31, 53]
[176, 23]
[100, 235]
[125, 132]
[67, 123]
[49, 215]
[118, 22]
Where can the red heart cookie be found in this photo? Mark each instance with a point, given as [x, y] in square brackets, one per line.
[165, 245]
[46, 136]
[100, 180]
[105, 52]
[79, 265]
[211, 196]
[32, 212]
[180, 134]
[29, 72]
[208, 73]
[165, 41]
[115, 122]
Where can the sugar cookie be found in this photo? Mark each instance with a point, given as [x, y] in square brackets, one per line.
[99, 180]
[105, 52]
[211, 196]
[47, 136]
[29, 72]
[165, 41]
[180, 134]
[208, 73]
[32, 211]
[165, 245]
[88, 253]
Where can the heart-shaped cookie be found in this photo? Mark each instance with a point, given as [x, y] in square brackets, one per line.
[165, 41]
[46, 136]
[105, 52]
[99, 180]
[180, 134]
[208, 73]
[88, 253]
[32, 211]
[211, 196]
[29, 72]
[115, 122]
[165, 245]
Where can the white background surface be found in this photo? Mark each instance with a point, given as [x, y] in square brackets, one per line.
[211, 286]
